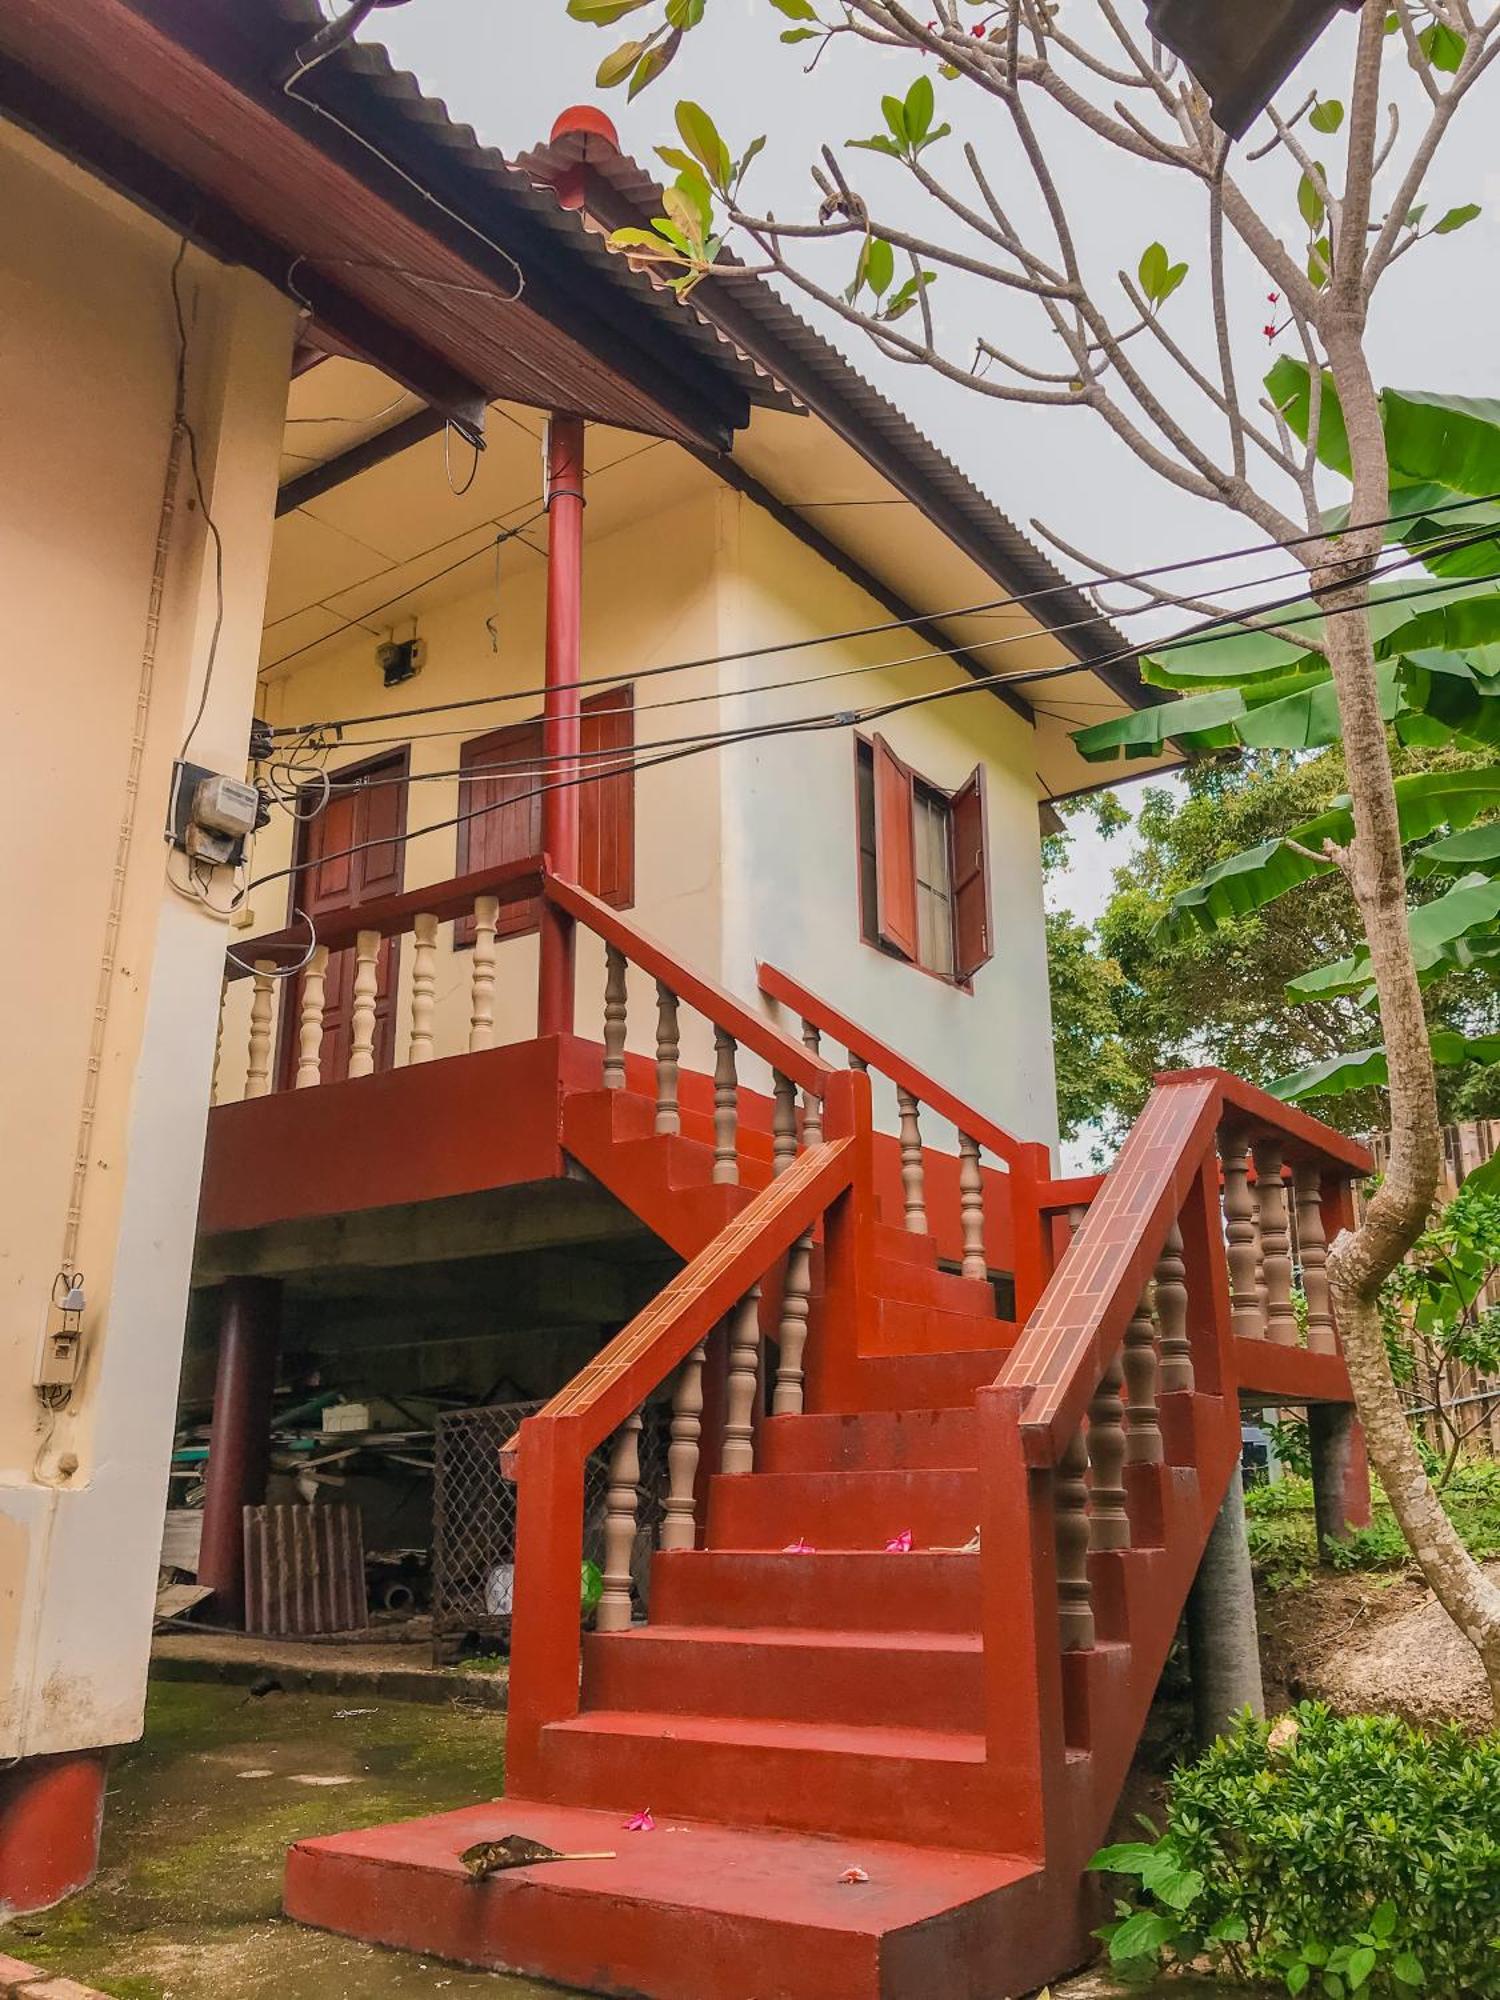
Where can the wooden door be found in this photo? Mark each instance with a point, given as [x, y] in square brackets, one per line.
[351, 853]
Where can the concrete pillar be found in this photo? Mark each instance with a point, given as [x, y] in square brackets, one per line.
[239, 1445]
[1340, 1471]
[50, 1811]
[1223, 1638]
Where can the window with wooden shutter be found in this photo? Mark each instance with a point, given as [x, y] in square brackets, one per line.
[500, 792]
[972, 945]
[923, 867]
[895, 852]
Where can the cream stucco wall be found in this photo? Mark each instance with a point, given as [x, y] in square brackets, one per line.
[87, 364]
[745, 853]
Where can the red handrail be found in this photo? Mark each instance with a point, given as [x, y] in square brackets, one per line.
[1027, 1154]
[392, 916]
[752, 1030]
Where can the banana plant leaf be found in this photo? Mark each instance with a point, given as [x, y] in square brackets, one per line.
[1202, 721]
[1362, 1069]
[1451, 441]
[1245, 882]
[1475, 851]
[1443, 934]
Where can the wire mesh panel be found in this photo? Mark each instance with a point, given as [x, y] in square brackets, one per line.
[474, 1516]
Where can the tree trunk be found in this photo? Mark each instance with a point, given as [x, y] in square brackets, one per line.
[1360, 1261]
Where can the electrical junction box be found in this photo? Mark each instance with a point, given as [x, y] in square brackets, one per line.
[211, 816]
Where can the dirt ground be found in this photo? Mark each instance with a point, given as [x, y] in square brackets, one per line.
[1376, 1641]
[198, 1820]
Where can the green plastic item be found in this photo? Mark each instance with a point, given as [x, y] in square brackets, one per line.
[593, 1587]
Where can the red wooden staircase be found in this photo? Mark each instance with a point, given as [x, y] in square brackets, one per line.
[920, 1569]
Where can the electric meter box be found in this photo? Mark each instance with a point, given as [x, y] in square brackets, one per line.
[211, 816]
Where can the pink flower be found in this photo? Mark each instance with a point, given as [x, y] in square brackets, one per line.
[854, 1875]
[641, 1822]
[1273, 298]
[899, 1545]
[801, 1547]
[1269, 332]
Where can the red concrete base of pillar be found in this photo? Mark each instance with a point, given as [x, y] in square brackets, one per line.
[50, 1814]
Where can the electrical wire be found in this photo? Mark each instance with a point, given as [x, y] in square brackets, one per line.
[866, 631]
[181, 422]
[535, 763]
[831, 719]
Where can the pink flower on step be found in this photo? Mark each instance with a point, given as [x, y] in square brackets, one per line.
[641, 1822]
[854, 1875]
[899, 1545]
[801, 1547]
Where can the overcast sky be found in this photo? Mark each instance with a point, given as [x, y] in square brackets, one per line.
[509, 66]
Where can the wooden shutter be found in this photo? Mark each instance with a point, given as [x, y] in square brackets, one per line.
[895, 852]
[500, 785]
[606, 802]
[972, 946]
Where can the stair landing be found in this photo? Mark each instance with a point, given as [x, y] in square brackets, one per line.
[692, 1911]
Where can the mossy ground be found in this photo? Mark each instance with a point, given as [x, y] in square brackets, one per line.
[187, 1904]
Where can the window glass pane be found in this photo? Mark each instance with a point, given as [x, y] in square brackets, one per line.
[868, 894]
[934, 883]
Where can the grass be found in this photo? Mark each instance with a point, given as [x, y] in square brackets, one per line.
[1283, 1541]
[199, 1814]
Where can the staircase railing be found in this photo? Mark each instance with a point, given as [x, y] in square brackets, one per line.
[1116, 1416]
[662, 1352]
[1027, 1162]
[734, 1025]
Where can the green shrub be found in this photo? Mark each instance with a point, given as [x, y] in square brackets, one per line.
[1380, 1546]
[1340, 1855]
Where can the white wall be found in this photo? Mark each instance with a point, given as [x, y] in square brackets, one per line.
[88, 361]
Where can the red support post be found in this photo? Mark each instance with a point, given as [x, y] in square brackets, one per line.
[239, 1446]
[560, 713]
[50, 1811]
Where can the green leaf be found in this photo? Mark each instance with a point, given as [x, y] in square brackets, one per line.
[685, 13]
[1383, 1919]
[796, 10]
[879, 144]
[618, 64]
[1309, 201]
[1477, 850]
[1142, 1936]
[603, 13]
[1327, 116]
[1320, 261]
[880, 265]
[919, 108]
[1297, 1976]
[1405, 1966]
[1152, 271]
[1455, 219]
[1288, 386]
[653, 62]
[1129, 1857]
[800, 34]
[1361, 1965]
[895, 117]
[1438, 930]
[1443, 46]
[700, 135]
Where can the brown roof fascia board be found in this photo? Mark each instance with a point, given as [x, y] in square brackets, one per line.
[837, 558]
[371, 451]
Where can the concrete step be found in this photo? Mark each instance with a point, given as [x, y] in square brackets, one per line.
[694, 1911]
[789, 1674]
[901, 1327]
[915, 1284]
[843, 1510]
[844, 1590]
[869, 1440]
[926, 1381]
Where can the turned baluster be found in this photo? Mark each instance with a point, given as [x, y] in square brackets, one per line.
[1275, 1242]
[1109, 1522]
[310, 1020]
[1172, 1312]
[621, 1499]
[971, 1208]
[679, 1517]
[614, 1018]
[362, 1020]
[1240, 1230]
[1313, 1239]
[912, 1173]
[812, 1104]
[482, 975]
[1070, 1498]
[668, 1048]
[739, 1392]
[786, 1397]
[1143, 1441]
[859, 1063]
[424, 932]
[783, 1123]
[1076, 1212]
[262, 1011]
[726, 1111]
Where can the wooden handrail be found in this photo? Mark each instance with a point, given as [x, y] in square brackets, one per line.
[1027, 1154]
[392, 916]
[641, 1356]
[1307, 1138]
[752, 1031]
